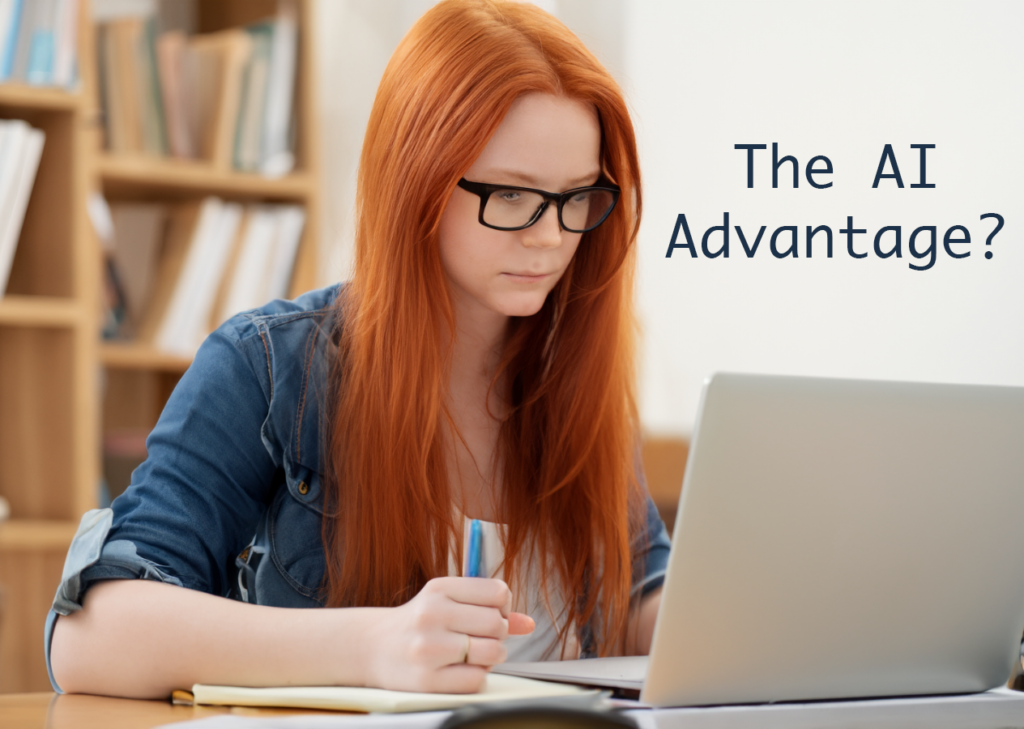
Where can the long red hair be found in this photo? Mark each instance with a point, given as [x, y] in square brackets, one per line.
[568, 446]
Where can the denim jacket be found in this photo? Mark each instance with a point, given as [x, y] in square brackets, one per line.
[229, 499]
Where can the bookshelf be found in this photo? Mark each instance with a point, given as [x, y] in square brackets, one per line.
[61, 387]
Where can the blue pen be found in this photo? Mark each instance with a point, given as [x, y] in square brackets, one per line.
[474, 564]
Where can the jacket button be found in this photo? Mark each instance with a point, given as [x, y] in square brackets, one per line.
[303, 488]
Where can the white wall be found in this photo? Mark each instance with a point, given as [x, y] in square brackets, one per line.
[354, 41]
[834, 79]
[838, 79]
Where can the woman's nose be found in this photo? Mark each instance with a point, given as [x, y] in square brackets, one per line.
[546, 232]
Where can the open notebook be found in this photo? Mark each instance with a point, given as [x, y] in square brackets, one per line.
[348, 698]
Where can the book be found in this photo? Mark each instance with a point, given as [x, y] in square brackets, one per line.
[115, 308]
[39, 64]
[277, 157]
[249, 132]
[226, 97]
[38, 41]
[218, 61]
[261, 269]
[245, 283]
[12, 143]
[181, 225]
[170, 55]
[23, 162]
[347, 698]
[65, 40]
[181, 270]
[121, 68]
[292, 223]
[130, 88]
[10, 15]
[137, 232]
[148, 96]
[33, 15]
[184, 324]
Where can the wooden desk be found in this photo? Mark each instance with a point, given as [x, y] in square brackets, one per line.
[76, 711]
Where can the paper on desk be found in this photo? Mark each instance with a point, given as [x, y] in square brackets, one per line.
[421, 720]
[348, 698]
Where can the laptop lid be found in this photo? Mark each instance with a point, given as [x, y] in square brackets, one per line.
[843, 538]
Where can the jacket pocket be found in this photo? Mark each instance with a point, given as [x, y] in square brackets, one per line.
[305, 486]
[296, 546]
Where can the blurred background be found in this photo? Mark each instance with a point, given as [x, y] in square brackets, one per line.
[167, 163]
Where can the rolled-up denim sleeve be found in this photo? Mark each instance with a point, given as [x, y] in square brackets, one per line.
[650, 553]
[91, 558]
[651, 545]
[195, 501]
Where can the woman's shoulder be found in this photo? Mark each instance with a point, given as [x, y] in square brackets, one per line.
[289, 346]
[280, 317]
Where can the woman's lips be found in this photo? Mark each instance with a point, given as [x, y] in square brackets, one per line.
[526, 277]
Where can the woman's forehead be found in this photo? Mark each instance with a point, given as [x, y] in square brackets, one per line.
[546, 141]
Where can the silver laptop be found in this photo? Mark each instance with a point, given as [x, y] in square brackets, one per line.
[837, 539]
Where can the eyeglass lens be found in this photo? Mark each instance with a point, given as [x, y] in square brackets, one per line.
[516, 208]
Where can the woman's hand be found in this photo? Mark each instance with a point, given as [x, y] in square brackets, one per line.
[445, 639]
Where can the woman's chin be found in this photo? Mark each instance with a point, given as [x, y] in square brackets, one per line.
[522, 305]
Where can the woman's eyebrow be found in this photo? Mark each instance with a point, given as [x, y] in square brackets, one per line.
[530, 181]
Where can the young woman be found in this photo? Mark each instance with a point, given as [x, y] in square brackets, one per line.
[478, 365]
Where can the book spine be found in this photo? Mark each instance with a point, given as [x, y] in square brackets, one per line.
[9, 155]
[150, 97]
[24, 179]
[22, 33]
[277, 158]
[66, 43]
[8, 9]
[40, 58]
[39, 66]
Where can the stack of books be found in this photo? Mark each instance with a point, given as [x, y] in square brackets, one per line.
[38, 41]
[175, 272]
[223, 97]
[21, 147]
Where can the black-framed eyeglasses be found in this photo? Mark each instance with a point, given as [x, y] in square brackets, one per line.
[506, 207]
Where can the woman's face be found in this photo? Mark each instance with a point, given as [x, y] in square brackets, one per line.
[546, 142]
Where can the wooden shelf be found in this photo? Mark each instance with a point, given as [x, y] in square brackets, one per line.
[36, 534]
[39, 311]
[53, 410]
[138, 357]
[135, 175]
[43, 98]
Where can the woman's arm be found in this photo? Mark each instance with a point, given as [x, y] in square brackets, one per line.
[143, 639]
[641, 624]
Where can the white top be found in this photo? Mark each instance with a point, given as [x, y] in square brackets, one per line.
[542, 644]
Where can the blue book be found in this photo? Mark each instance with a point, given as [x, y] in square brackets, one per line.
[40, 57]
[10, 43]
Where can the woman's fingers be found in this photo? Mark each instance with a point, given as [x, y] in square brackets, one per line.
[484, 622]
[474, 591]
[520, 624]
[485, 652]
[459, 678]
[477, 592]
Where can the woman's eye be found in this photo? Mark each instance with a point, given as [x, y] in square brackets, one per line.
[508, 196]
[580, 198]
